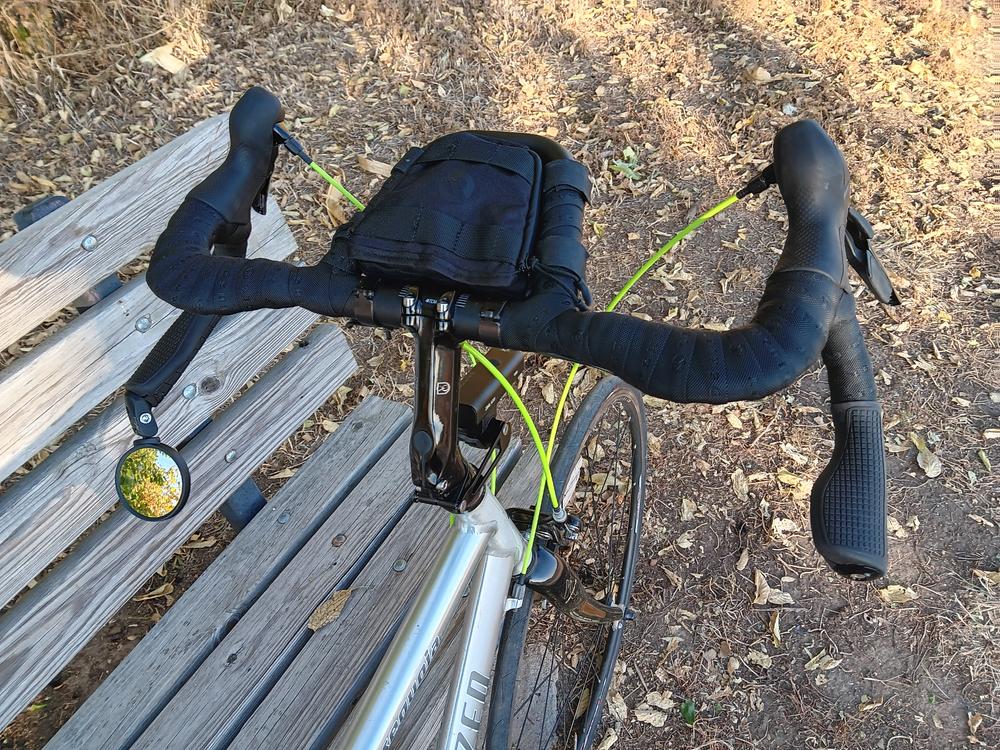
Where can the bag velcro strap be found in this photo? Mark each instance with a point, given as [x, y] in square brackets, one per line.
[426, 226]
[520, 161]
[567, 173]
[562, 252]
[409, 159]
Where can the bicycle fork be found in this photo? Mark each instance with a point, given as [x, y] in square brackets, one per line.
[483, 549]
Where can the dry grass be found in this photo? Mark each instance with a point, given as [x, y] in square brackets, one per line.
[901, 88]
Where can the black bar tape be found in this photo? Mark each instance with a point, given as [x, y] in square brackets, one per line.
[183, 272]
[785, 336]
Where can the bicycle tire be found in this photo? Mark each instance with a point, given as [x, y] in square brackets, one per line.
[608, 392]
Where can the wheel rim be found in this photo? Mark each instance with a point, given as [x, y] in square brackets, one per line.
[567, 666]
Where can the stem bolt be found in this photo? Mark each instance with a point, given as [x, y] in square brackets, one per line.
[145, 418]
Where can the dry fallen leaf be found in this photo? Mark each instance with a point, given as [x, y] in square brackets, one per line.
[685, 540]
[650, 716]
[156, 593]
[329, 610]
[744, 559]
[164, 58]
[927, 460]
[870, 705]
[762, 590]
[549, 393]
[895, 528]
[662, 700]
[764, 594]
[992, 576]
[285, 11]
[775, 628]
[740, 485]
[201, 543]
[896, 594]
[375, 167]
[758, 74]
[822, 661]
[688, 509]
[974, 721]
[610, 738]
[760, 659]
[283, 474]
[788, 478]
[335, 207]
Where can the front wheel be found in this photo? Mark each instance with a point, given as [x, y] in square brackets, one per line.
[554, 672]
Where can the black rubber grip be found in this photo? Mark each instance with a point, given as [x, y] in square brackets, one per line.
[848, 503]
[170, 356]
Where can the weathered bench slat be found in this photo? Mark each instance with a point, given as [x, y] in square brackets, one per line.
[42, 515]
[47, 390]
[55, 619]
[298, 708]
[44, 268]
[130, 698]
[214, 702]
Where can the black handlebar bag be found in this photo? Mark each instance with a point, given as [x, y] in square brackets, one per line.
[461, 214]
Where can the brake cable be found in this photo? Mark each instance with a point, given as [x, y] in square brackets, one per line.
[757, 185]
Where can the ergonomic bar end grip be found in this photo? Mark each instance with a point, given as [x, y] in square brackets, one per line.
[170, 356]
[848, 509]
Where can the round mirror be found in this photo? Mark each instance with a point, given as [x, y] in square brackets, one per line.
[152, 481]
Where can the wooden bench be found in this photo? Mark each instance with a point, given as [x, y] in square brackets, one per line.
[238, 660]
[54, 519]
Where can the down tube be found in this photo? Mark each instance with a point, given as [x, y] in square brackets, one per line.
[379, 714]
[466, 705]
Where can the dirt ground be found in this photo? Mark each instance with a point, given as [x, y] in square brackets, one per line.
[672, 108]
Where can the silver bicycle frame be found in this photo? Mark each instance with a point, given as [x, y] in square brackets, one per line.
[483, 548]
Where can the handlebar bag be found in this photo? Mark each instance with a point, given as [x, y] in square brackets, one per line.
[461, 214]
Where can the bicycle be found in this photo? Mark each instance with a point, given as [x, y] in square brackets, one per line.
[548, 572]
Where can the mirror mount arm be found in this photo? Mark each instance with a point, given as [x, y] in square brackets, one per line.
[140, 415]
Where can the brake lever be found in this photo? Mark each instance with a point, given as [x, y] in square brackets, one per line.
[259, 202]
[857, 244]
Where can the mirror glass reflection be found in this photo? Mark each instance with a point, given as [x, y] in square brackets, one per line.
[151, 482]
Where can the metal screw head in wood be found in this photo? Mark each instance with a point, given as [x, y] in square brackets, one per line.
[399, 566]
[190, 391]
[143, 324]
[89, 243]
[231, 456]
